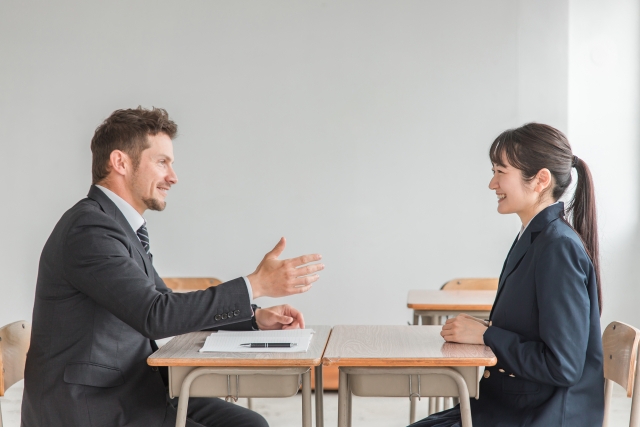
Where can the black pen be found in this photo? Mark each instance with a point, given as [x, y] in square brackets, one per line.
[268, 344]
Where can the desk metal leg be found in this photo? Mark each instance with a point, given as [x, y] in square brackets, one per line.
[183, 401]
[448, 403]
[350, 404]
[427, 320]
[432, 406]
[343, 399]
[412, 411]
[319, 397]
[306, 399]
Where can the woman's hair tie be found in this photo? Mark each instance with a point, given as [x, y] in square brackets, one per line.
[574, 162]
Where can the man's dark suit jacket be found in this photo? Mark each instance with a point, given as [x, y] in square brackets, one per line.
[545, 334]
[98, 303]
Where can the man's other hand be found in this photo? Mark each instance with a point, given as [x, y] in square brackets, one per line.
[278, 278]
[279, 317]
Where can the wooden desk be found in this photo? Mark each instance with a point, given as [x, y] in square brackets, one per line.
[390, 361]
[429, 304]
[234, 375]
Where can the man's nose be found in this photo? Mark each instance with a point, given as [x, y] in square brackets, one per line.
[173, 177]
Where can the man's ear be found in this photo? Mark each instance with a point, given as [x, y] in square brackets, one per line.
[119, 162]
[543, 180]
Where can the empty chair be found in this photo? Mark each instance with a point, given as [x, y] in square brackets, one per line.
[14, 343]
[620, 349]
[188, 284]
[490, 284]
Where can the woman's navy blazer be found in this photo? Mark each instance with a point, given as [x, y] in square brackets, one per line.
[545, 333]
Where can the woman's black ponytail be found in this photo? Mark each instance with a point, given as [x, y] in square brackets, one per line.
[582, 210]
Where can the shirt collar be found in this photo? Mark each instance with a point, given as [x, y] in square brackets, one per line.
[132, 216]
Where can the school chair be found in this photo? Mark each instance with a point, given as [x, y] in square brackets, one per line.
[620, 349]
[14, 343]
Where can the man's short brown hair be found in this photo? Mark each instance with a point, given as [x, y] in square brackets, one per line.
[127, 131]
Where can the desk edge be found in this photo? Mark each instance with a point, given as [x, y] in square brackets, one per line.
[409, 362]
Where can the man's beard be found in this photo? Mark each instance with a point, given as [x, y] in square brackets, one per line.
[154, 204]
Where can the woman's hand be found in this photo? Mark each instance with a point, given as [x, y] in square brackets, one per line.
[464, 329]
[279, 317]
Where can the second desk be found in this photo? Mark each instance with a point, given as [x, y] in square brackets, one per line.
[391, 361]
[429, 305]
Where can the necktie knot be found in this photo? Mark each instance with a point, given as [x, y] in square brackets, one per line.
[143, 235]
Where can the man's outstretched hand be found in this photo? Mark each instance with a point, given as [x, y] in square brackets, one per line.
[279, 317]
[278, 278]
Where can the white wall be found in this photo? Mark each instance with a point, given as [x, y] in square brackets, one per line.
[357, 129]
[604, 127]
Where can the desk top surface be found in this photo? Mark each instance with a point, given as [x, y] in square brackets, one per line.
[183, 351]
[408, 346]
[437, 300]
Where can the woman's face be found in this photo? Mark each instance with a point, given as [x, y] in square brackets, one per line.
[515, 195]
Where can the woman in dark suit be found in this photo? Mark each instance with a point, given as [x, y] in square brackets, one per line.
[545, 324]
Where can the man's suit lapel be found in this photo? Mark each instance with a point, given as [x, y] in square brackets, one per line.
[522, 245]
[112, 210]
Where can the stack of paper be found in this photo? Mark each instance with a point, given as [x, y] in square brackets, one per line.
[229, 341]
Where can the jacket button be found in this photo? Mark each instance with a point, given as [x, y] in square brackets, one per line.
[236, 313]
[230, 314]
[224, 316]
[501, 371]
[512, 376]
[218, 317]
[486, 374]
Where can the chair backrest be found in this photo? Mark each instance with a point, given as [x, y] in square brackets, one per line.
[620, 350]
[188, 284]
[471, 285]
[14, 343]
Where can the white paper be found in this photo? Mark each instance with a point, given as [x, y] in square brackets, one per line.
[229, 341]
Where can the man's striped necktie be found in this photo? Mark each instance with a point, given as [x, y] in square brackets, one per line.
[143, 235]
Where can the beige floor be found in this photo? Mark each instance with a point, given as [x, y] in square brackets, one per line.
[372, 412]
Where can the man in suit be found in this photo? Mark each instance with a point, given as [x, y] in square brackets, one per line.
[100, 302]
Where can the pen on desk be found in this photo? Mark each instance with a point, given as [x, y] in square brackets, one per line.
[268, 344]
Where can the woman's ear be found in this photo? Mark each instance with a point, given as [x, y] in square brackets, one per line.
[543, 180]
